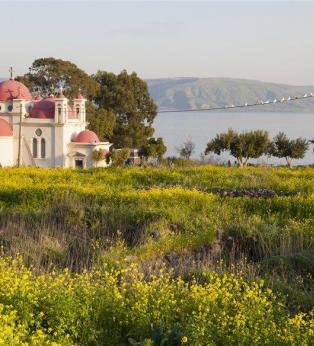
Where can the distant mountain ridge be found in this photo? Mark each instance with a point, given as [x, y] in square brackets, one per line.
[194, 93]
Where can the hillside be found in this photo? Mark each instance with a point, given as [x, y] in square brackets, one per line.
[178, 256]
[186, 93]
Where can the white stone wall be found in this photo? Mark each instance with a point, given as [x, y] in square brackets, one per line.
[29, 133]
[80, 105]
[6, 153]
[16, 106]
[70, 131]
[84, 151]
[2, 107]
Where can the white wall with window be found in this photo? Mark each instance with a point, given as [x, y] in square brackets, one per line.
[38, 144]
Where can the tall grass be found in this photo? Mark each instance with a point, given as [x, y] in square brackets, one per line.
[58, 219]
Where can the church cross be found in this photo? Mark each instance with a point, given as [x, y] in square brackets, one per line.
[11, 72]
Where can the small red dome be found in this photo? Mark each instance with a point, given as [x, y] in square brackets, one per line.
[86, 137]
[79, 97]
[5, 128]
[44, 109]
[12, 89]
[60, 95]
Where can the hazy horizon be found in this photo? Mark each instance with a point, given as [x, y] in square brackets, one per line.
[195, 77]
[235, 78]
[264, 41]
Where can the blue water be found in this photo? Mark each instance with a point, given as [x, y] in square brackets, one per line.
[200, 127]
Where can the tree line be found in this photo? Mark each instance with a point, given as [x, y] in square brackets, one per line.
[253, 144]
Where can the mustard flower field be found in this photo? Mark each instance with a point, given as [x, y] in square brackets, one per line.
[157, 256]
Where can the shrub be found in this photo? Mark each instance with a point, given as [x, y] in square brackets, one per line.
[119, 157]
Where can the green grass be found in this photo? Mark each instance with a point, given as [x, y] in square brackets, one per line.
[179, 206]
[165, 218]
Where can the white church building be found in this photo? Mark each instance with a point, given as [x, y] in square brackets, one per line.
[45, 132]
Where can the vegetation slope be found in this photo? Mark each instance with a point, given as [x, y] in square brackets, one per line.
[157, 256]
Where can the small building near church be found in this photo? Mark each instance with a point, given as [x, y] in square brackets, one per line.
[45, 132]
[134, 158]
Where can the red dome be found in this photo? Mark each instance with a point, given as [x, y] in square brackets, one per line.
[60, 95]
[5, 128]
[44, 109]
[86, 137]
[12, 89]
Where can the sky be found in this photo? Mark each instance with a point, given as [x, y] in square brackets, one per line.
[267, 40]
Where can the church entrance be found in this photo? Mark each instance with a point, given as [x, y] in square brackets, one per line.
[77, 160]
[79, 163]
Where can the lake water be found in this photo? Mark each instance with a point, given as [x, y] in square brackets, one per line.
[200, 127]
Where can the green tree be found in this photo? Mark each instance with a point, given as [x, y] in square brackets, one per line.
[243, 146]
[46, 74]
[154, 148]
[98, 155]
[119, 156]
[100, 121]
[283, 147]
[127, 96]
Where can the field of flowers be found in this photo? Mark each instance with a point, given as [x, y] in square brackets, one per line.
[157, 256]
[122, 307]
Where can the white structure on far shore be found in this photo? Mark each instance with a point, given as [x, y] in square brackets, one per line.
[48, 132]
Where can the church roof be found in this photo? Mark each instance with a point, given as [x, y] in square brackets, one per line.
[77, 154]
[79, 97]
[60, 95]
[45, 109]
[5, 128]
[12, 89]
[86, 136]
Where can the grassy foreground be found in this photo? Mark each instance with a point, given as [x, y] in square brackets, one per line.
[196, 256]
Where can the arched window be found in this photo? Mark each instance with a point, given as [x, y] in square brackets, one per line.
[35, 148]
[43, 148]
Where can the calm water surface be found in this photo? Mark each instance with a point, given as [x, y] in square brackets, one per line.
[175, 128]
